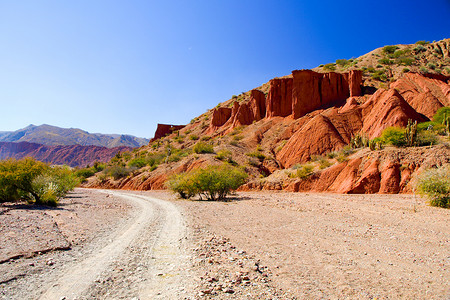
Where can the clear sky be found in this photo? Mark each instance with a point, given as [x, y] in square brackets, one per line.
[124, 66]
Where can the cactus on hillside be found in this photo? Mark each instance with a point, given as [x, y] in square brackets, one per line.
[411, 133]
[446, 123]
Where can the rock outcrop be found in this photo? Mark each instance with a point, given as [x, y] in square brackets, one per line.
[425, 95]
[165, 129]
[295, 96]
[385, 172]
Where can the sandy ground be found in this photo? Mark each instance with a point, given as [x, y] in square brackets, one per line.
[327, 246]
[266, 245]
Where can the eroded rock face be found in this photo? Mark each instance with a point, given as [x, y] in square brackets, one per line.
[220, 116]
[295, 96]
[385, 109]
[333, 128]
[425, 95]
[355, 82]
[279, 99]
[319, 134]
[165, 129]
[258, 104]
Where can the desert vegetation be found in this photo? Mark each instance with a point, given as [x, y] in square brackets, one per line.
[34, 181]
[212, 183]
[434, 183]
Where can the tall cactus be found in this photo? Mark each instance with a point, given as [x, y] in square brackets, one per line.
[411, 133]
[446, 123]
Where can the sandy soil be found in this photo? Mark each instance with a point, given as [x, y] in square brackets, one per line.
[266, 245]
[327, 246]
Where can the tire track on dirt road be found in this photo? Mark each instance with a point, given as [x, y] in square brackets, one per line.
[150, 249]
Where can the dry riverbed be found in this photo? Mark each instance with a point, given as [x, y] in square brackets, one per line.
[259, 245]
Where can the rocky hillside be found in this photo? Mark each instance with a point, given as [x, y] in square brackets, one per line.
[71, 155]
[310, 117]
[52, 135]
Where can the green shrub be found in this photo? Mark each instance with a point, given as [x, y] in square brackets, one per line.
[193, 137]
[405, 70]
[214, 182]
[139, 162]
[329, 67]
[441, 113]
[201, 147]
[304, 171]
[182, 184]
[435, 184]
[431, 66]
[34, 181]
[422, 43]
[98, 166]
[385, 61]
[331, 155]
[423, 70]
[342, 62]
[324, 163]
[223, 155]
[400, 53]
[389, 49]
[406, 61]
[257, 154]
[420, 48]
[117, 171]
[394, 136]
[427, 138]
[85, 173]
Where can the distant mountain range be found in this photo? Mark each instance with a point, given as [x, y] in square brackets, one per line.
[53, 136]
[71, 155]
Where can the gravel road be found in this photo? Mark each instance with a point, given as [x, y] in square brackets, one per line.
[145, 257]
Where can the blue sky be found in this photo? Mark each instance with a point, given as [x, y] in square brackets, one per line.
[124, 66]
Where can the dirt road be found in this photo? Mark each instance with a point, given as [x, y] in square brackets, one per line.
[145, 259]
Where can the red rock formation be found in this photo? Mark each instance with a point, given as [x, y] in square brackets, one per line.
[220, 116]
[305, 92]
[71, 155]
[333, 128]
[164, 129]
[279, 99]
[390, 178]
[319, 135]
[385, 109]
[258, 104]
[242, 116]
[369, 182]
[355, 82]
[425, 95]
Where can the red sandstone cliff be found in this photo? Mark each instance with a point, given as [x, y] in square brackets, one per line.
[164, 129]
[295, 96]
